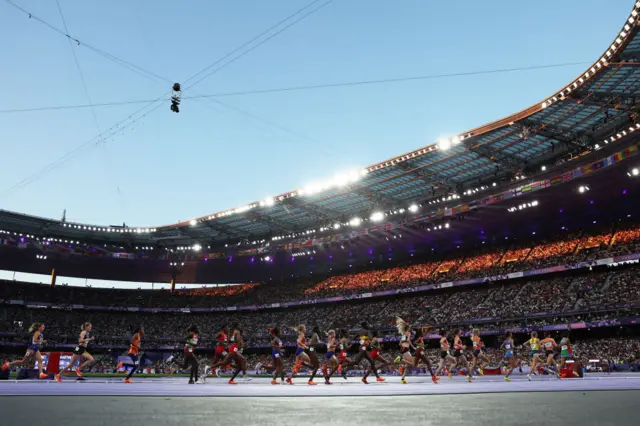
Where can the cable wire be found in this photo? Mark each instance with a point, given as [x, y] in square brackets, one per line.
[307, 87]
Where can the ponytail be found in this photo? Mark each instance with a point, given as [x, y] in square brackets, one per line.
[85, 326]
[34, 327]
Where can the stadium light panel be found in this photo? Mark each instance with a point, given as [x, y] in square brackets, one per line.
[193, 222]
[444, 144]
[356, 221]
[196, 247]
[413, 208]
[269, 201]
[635, 171]
[377, 216]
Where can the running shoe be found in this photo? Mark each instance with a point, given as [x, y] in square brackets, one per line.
[470, 378]
[233, 382]
[78, 372]
[435, 379]
[364, 380]
[506, 379]
[344, 375]
[289, 380]
[5, 366]
[274, 382]
[403, 381]
[191, 382]
[311, 382]
[58, 379]
[449, 375]
[43, 376]
[379, 379]
[127, 381]
[397, 360]
[480, 371]
[327, 382]
[529, 377]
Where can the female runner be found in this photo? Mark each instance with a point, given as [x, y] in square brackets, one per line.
[33, 350]
[458, 353]
[419, 354]
[478, 353]
[221, 348]
[234, 354]
[445, 356]
[406, 358]
[313, 356]
[509, 354]
[376, 349]
[134, 353]
[191, 342]
[301, 355]
[549, 345]
[332, 361]
[365, 339]
[566, 354]
[276, 354]
[79, 352]
[534, 353]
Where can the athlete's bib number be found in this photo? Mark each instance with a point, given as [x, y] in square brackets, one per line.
[77, 348]
[190, 349]
[564, 347]
[311, 349]
[276, 355]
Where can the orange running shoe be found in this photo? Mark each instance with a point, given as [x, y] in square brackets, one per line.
[274, 382]
[127, 381]
[364, 380]
[58, 379]
[435, 379]
[289, 380]
[312, 383]
[340, 368]
[379, 379]
[43, 376]
[78, 372]
[233, 382]
[5, 366]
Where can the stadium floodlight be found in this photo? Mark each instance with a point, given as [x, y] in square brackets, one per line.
[377, 216]
[269, 201]
[455, 140]
[196, 247]
[193, 222]
[583, 189]
[446, 225]
[356, 221]
[543, 168]
[444, 144]
[635, 171]
[336, 226]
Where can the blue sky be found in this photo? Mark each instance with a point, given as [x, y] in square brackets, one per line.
[169, 167]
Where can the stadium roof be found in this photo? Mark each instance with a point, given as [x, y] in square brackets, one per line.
[588, 113]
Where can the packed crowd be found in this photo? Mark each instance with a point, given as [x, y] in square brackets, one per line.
[567, 248]
[491, 305]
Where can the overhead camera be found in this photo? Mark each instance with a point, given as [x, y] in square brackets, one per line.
[176, 96]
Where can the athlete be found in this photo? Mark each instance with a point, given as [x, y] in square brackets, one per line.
[80, 351]
[343, 357]
[313, 356]
[222, 339]
[301, 355]
[445, 356]
[236, 345]
[534, 353]
[509, 354]
[276, 355]
[566, 354]
[376, 349]
[332, 360]
[478, 353]
[191, 342]
[133, 353]
[406, 357]
[549, 345]
[33, 350]
[365, 339]
[458, 352]
[419, 354]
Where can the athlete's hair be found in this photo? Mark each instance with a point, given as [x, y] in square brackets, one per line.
[316, 329]
[136, 329]
[34, 327]
[275, 331]
[534, 334]
[301, 328]
[85, 326]
[547, 334]
[509, 334]
[375, 333]
[418, 332]
[364, 325]
[475, 331]
[565, 334]
[456, 332]
[193, 329]
[401, 325]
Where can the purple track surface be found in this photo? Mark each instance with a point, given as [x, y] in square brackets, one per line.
[260, 387]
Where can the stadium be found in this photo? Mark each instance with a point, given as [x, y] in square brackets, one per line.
[426, 279]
